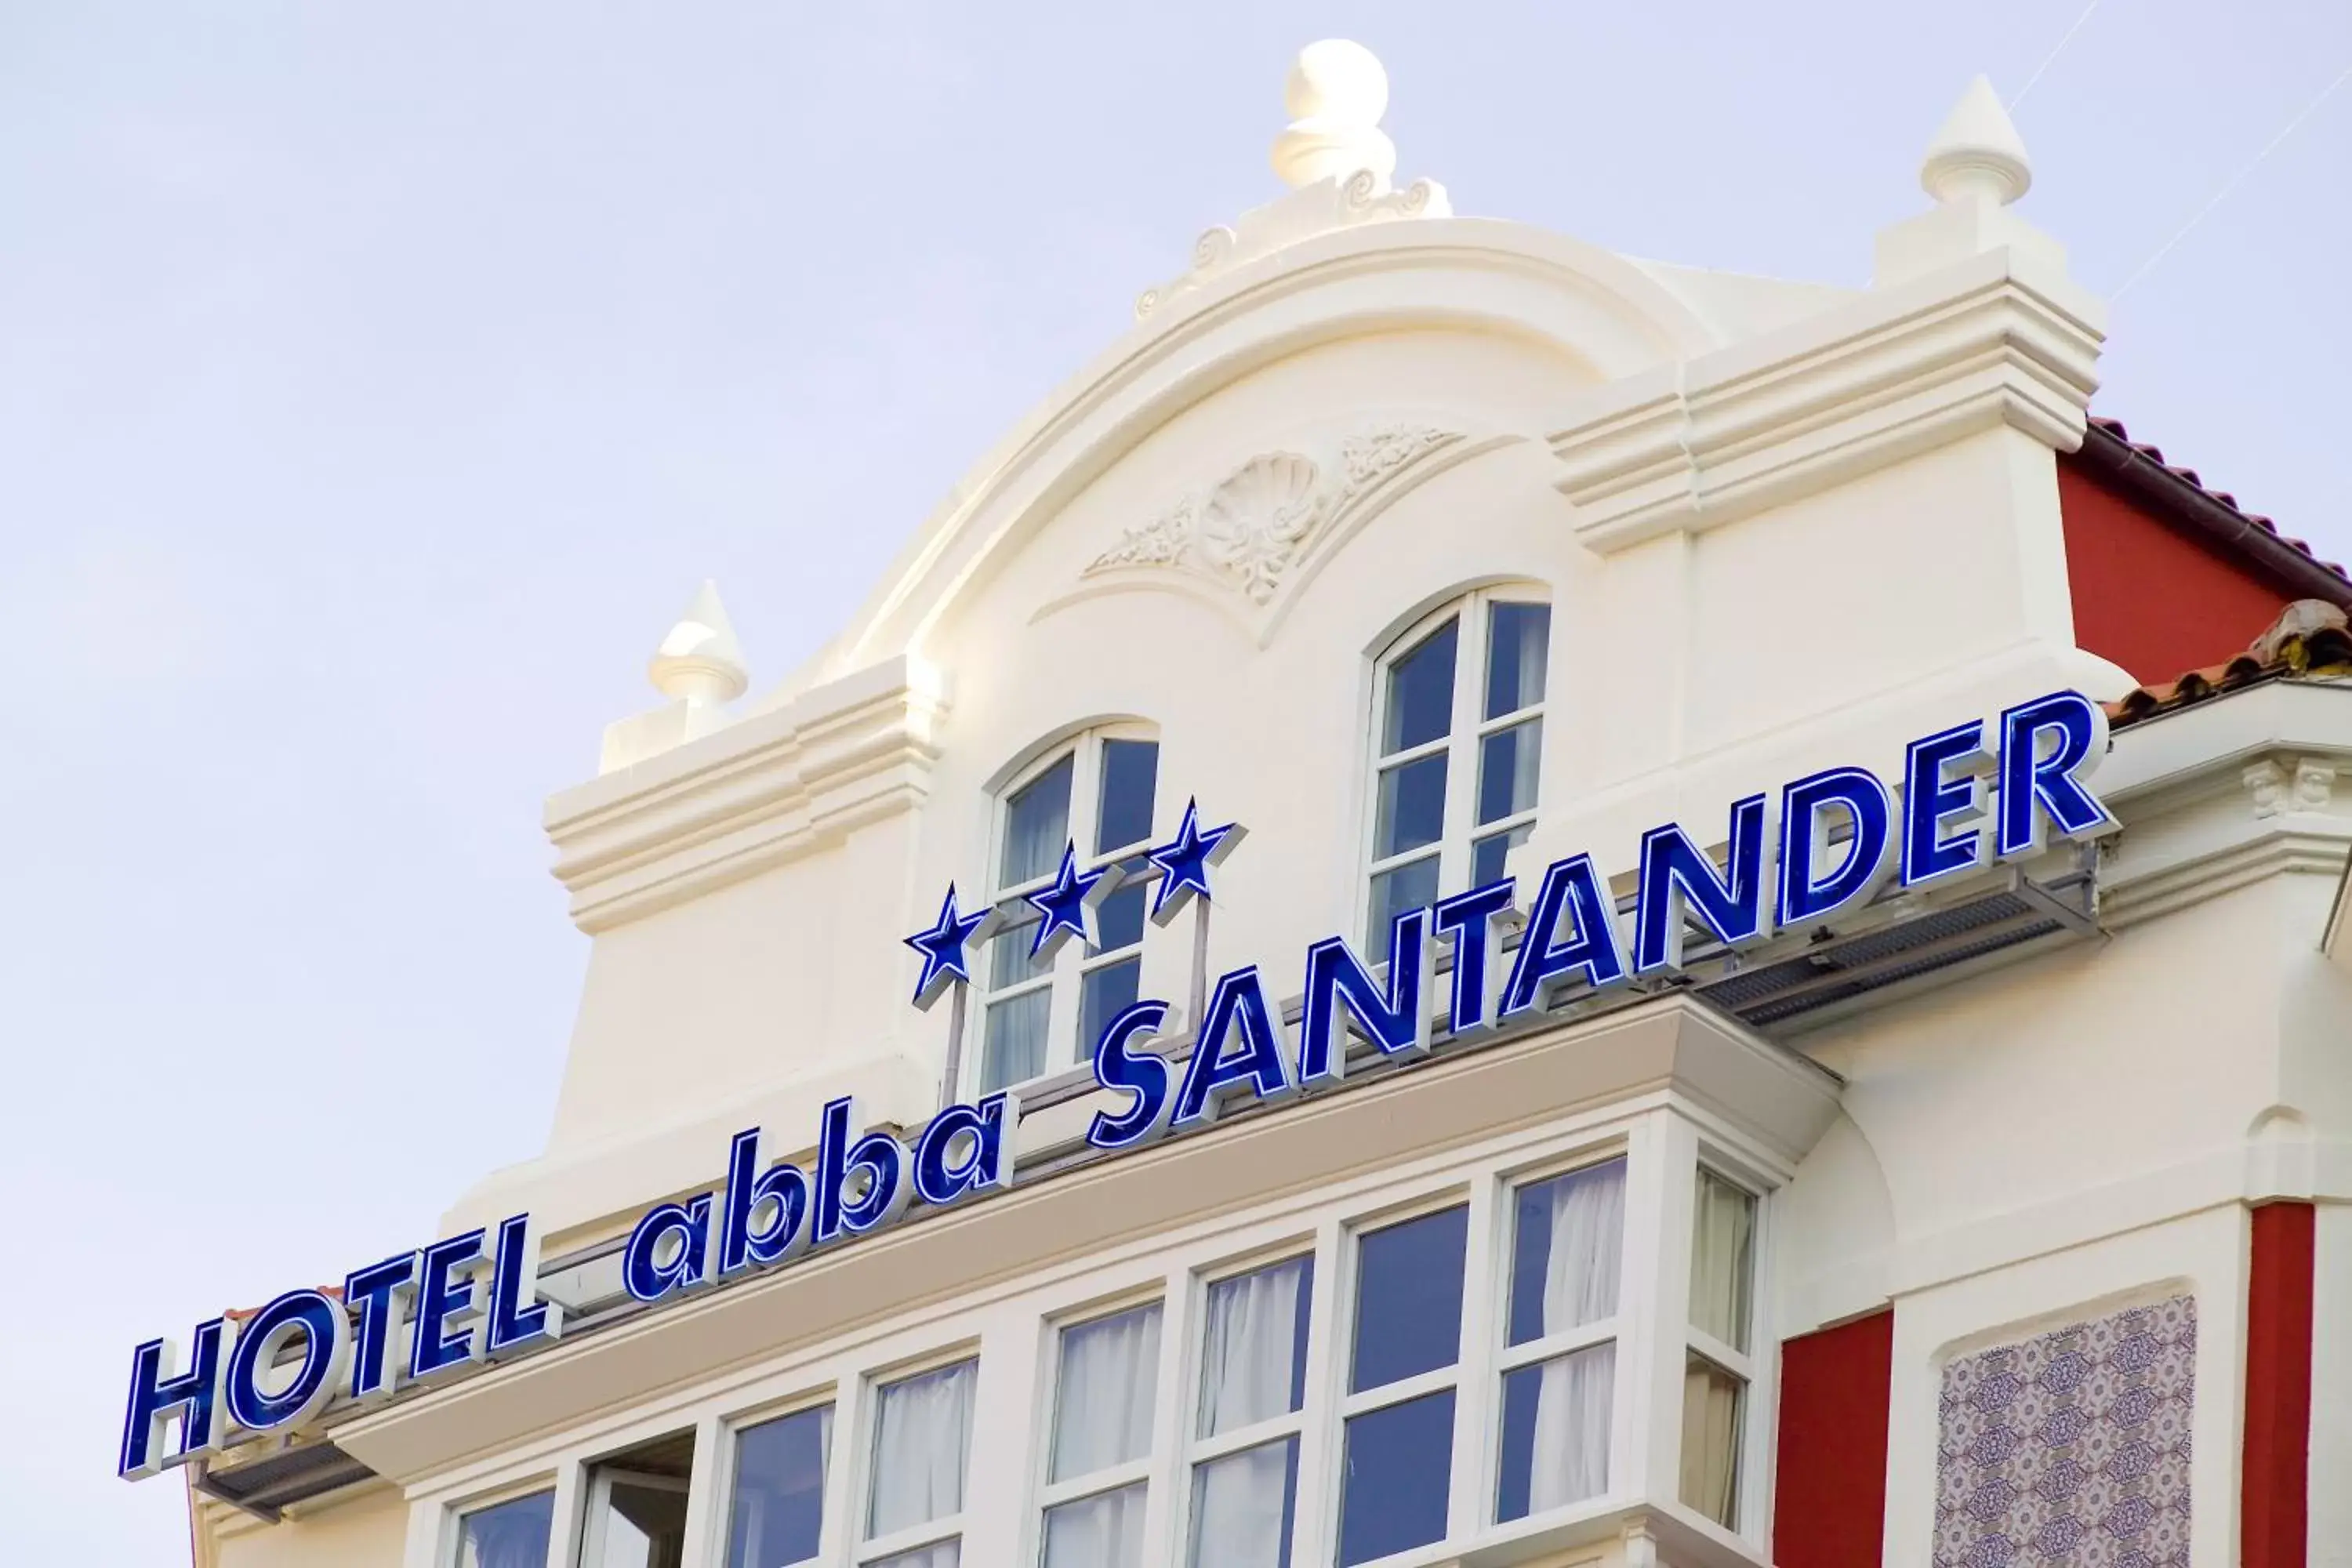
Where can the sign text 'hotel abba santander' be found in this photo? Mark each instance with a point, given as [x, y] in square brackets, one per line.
[1836, 836]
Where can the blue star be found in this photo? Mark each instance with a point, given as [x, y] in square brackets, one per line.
[942, 949]
[1065, 906]
[1184, 861]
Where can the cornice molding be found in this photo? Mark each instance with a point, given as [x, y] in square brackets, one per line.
[1995, 339]
[769, 789]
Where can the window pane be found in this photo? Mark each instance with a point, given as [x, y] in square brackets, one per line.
[1517, 643]
[1556, 1432]
[1568, 1240]
[1009, 963]
[1104, 1532]
[1712, 1402]
[1037, 824]
[1400, 1460]
[1254, 1347]
[1016, 1049]
[1412, 809]
[1409, 1298]
[1399, 890]
[1103, 1393]
[1489, 855]
[1508, 761]
[778, 1509]
[1102, 995]
[1241, 1508]
[1722, 1247]
[1118, 921]
[922, 1435]
[1420, 692]
[1130, 776]
[637, 1525]
[511, 1535]
[941, 1554]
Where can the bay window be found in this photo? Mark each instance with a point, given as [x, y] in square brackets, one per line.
[1096, 797]
[1479, 1387]
[1457, 754]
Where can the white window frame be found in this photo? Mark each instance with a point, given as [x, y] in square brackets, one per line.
[1477, 1199]
[726, 1453]
[1750, 1452]
[1194, 1450]
[931, 1531]
[1466, 733]
[1052, 1494]
[1507, 1358]
[1066, 978]
[599, 1513]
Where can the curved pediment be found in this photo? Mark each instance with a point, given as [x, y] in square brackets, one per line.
[1596, 317]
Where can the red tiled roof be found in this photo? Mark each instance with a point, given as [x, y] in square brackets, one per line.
[2310, 640]
[2257, 535]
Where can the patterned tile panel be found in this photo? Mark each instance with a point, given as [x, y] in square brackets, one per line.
[2070, 1449]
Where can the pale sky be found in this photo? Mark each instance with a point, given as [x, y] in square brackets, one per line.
[376, 383]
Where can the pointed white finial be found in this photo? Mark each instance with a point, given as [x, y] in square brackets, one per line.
[1336, 95]
[699, 661]
[1978, 153]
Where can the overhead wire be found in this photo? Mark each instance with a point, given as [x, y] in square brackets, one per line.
[2052, 58]
[2232, 183]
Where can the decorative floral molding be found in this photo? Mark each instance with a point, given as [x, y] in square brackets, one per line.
[1247, 532]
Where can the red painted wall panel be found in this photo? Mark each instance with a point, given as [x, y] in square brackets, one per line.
[2275, 1517]
[2154, 598]
[1830, 1500]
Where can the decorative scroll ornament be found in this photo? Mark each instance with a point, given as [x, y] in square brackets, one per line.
[1248, 531]
[1334, 157]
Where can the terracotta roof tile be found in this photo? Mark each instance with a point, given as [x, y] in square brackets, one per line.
[2310, 640]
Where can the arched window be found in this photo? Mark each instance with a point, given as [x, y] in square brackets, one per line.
[1097, 793]
[1457, 742]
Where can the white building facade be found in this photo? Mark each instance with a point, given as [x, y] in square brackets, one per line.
[2003, 1215]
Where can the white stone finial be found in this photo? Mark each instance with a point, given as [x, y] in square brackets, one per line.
[699, 661]
[1337, 93]
[1978, 153]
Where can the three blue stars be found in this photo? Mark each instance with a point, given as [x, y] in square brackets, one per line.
[942, 949]
[1062, 905]
[1184, 861]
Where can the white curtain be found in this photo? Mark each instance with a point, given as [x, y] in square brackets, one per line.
[1588, 1248]
[1247, 1347]
[1103, 1398]
[1104, 1532]
[1723, 1237]
[1571, 1442]
[938, 1554]
[922, 1435]
[1710, 1478]
[1240, 1505]
[1016, 1048]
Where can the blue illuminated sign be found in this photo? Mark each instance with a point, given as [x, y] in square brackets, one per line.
[1829, 842]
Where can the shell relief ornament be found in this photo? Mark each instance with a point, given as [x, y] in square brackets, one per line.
[1249, 532]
